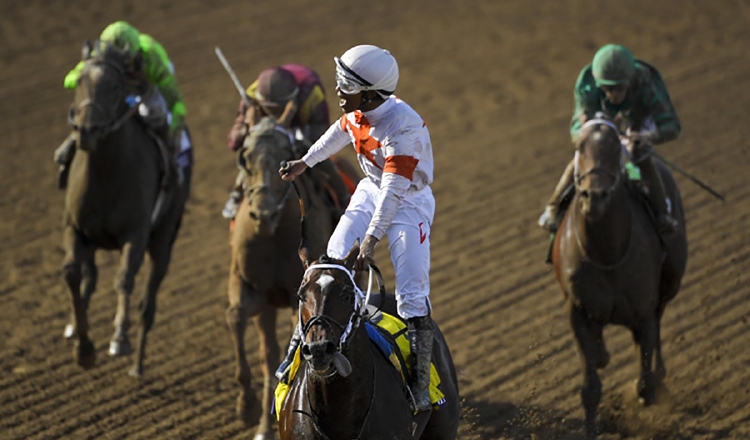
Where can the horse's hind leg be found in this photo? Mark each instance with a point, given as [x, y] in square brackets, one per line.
[236, 317]
[160, 252]
[645, 336]
[131, 258]
[660, 368]
[90, 276]
[75, 251]
[586, 335]
[265, 324]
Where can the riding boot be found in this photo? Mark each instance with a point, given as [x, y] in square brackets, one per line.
[63, 157]
[548, 219]
[235, 197]
[665, 223]
[421, 335]
[282, 373]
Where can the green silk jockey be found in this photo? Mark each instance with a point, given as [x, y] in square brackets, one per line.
[631, 92]
[162, 105]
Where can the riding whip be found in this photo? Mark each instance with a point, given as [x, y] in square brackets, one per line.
[231, 73]
[688, 175]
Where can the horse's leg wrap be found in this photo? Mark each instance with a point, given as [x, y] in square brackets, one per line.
[282, 373]
[421, 335]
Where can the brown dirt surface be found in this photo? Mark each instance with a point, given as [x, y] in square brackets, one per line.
[493, 80]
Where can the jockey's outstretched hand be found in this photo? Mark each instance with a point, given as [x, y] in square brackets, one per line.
[292, 169]
[366, 253]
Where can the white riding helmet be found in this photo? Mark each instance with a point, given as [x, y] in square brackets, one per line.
[366, 67]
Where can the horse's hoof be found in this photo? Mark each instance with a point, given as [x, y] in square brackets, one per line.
[84, 353]
[136, 372]
[70, 332]
[248, 410]
[645, 396]
[120, 347]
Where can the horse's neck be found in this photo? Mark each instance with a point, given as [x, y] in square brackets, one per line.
[608, 236]
[116, 154]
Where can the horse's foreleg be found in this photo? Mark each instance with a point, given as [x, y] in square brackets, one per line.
[131, 258]
[645, 336]
[75, 251]
[236, 317]
[90, 275]
[160, 253]
[265, 324]
[586, 334]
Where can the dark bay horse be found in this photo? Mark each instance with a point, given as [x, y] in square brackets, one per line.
[265, 271]
[345, 387]
[612, 266]
[117, 199]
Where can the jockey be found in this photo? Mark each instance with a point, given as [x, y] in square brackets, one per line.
[162, 105]
[269, 96]
[617, 84]
[394, 199]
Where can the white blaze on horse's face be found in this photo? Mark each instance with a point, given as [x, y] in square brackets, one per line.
[324, 281]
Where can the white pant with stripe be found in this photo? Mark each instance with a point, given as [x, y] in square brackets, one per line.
[408, 239]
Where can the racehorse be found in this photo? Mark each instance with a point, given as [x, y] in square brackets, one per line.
[264, 272]
[612, 265]
[345, 387]
[123, 195]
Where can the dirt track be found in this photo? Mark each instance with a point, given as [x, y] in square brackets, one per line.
[494, 83]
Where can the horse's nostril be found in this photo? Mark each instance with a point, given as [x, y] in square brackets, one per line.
[253, 215]
[306, 353]
[330, 348]
[585, 193]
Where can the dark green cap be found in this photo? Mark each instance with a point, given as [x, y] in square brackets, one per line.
[613, 65]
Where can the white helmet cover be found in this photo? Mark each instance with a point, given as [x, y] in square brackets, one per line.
[367, 67]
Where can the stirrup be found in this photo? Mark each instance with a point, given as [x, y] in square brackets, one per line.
[667, 224]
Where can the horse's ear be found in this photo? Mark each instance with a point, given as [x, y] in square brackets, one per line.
[86, 50]
[351, 257]
[304, 256]
[289, 111]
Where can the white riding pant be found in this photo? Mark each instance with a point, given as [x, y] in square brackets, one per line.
[408, 239]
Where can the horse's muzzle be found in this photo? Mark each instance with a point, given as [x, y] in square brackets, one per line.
[319, 354]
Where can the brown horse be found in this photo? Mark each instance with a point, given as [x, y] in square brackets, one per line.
[345, 387]
[265, 271]
[612, 265]
[117, 199]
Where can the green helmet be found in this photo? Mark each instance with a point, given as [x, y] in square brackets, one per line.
[122, 35]
[613, 65]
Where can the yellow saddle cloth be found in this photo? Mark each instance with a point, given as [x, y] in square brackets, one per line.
[395, 327]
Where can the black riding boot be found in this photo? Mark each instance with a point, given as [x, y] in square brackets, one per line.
[421, 335]
[282, 373]
[548, 219]
[63, 157]
[665, 223]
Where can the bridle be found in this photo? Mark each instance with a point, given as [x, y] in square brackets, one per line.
[252, 190]
[578, 176]
[616, 181]
[113, 123]
[359, 310]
